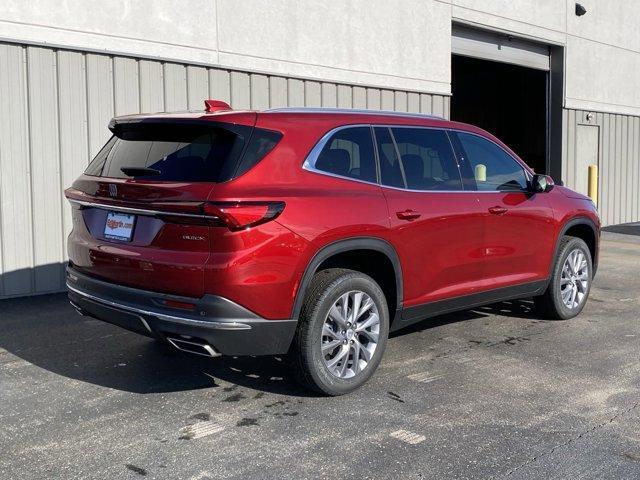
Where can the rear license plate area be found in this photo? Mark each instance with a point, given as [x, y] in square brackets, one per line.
[119, 226]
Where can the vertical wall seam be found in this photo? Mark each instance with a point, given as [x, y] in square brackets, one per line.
[164, 86]
[187, 76]
[60, 176]
[250, 89]
[30, 164]
[139, 85]
[230, 88]
[112, 66]
[86, 99]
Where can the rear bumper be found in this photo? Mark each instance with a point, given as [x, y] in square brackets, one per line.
[224, 325]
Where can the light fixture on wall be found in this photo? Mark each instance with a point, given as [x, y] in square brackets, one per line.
[580, 10]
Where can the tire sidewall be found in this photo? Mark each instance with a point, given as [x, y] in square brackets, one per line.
[563, 311]
[325, 380]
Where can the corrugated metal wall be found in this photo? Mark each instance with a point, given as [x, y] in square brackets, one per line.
[54, 110]
[618, 162]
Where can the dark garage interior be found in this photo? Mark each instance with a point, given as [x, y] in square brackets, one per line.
[507, 100]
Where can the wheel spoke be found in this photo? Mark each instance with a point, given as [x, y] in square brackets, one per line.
[336, 315]
[582, 285]
[574, 292]
[329, 346]
[345, 363]
[345, 307]
[342, 353]
[373, 319]
[366, 306]
[355, 306]
[569, 264]
[372, 336]
[327, 331]
[356, 357]
[366, 353]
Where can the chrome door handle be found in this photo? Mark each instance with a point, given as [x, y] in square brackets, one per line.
[498, 210]
[409, 215]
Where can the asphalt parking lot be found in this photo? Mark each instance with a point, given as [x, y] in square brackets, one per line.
[489, 393]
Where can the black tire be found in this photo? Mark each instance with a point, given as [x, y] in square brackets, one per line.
[550, 304]
[326, 287]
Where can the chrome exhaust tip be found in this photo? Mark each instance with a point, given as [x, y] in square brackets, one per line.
[193, 346]
[78, 309]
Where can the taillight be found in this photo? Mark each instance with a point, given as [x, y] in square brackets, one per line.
[242, 215]
[233, 215]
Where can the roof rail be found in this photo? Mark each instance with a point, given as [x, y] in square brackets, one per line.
[351, 111]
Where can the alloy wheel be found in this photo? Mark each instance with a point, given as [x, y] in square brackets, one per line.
[574, 280]
[350, 334]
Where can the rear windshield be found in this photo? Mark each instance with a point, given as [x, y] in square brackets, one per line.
[182, 152]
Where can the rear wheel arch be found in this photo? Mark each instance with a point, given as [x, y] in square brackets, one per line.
[382, 262]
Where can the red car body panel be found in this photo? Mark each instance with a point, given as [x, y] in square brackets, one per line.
[455, 248]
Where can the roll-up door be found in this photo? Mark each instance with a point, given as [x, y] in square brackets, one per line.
[499, 47]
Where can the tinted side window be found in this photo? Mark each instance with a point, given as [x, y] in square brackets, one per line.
[391, 173]
[349, 153]
[427, 159]
[260, 144]
[492, 167]
[97, 164]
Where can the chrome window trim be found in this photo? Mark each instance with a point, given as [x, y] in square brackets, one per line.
[138, 211]
[312, 157]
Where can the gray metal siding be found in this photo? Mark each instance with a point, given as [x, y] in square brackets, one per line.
[55, 106]
[618, 158]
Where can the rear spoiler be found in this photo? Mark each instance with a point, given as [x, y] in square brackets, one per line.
[210, 107]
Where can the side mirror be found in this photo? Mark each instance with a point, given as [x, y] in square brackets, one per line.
[542, 183]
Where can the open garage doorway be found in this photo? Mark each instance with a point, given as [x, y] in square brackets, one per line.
[507, 100]
[511, 87]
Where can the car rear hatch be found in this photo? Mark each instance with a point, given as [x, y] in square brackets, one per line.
[140, 211]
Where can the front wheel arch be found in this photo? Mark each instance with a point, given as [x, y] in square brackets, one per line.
[584, 229]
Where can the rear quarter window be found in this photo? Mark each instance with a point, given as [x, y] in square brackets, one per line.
[349, 153]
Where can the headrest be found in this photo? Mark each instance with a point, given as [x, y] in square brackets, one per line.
[413, 167]
[334, 160]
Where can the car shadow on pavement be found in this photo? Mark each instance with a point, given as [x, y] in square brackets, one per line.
[513, 308]
[48, 333]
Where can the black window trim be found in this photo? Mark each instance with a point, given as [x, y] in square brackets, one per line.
[453, 155]
[314, 153]
[527, 174]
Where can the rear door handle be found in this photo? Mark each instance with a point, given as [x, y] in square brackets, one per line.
[498, 210]
[409, 215]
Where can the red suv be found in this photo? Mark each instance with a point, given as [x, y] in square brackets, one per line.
[315, 232]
